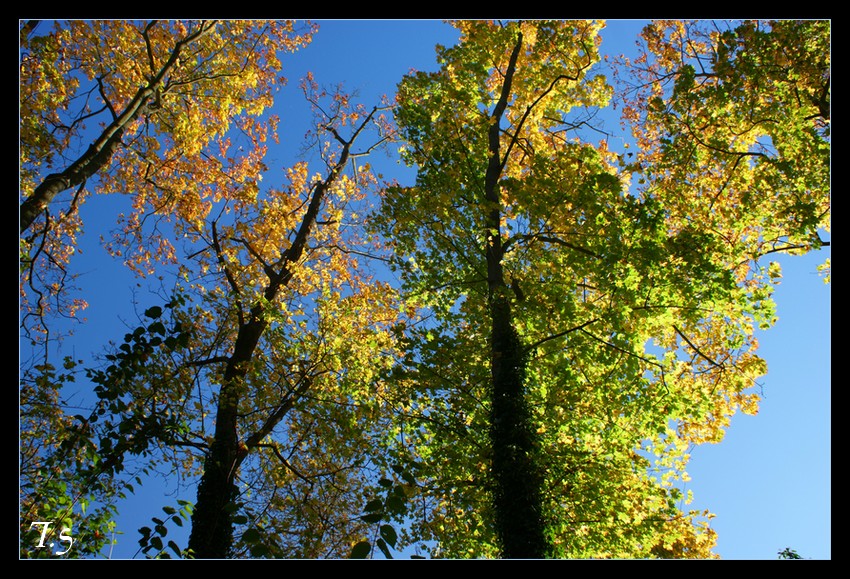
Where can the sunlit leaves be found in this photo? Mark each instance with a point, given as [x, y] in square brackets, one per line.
[287, 280]
[747, 103]
[174, 91]
[633, 276]
[637, 278]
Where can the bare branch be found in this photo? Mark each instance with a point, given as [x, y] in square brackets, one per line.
[533, 346]
[697, 350]
[226, 270]
[285, 462]
[213, 360]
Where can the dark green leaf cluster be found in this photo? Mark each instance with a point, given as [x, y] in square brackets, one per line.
[133, 411]
[153, 543]
[390, 505]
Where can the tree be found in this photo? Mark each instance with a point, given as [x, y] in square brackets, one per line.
[285, 380]
[725, 114]
[617, 328]
[283, 334]
[160, 94]
[278, 252]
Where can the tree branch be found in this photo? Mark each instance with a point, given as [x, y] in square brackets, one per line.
[536, 344]
[220, 257]
[285, 462]
[213, 360]
[99, 153]
[697, 350]
[275, 417]
[550, 239]
[270, 272]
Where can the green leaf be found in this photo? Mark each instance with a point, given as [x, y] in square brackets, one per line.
[252, 535]
[389, 535]
[372, 517]
[153, 312]
[361, 550]
[384, 549]
[157, 328]
[374, 505]
[395, 504]
[231, 508]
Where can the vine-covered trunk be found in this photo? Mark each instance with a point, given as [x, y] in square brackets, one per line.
[520, 524]
[518, 482]
[212, 525]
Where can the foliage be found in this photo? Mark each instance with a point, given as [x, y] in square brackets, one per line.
[636, 306]
[55, 452]
[570, 319]
[310, 380]
[143, 109]
[294, 332]
[390, 505]
[736, 113]
[152, 539]
[73, 467]
[788, 553]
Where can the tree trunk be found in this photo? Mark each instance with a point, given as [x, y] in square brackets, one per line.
[212, 527]
[518, 482]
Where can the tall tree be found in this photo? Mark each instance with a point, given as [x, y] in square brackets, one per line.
[616, 326]
[281, 250]
[285, 332]
[279, 331]
[142, 108]
[467, 141]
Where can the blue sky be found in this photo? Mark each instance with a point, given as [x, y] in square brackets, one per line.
[768, 482]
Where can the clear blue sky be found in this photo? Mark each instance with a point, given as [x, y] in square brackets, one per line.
[768, 482]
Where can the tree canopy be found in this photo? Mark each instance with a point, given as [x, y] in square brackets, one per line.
[511, 355]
